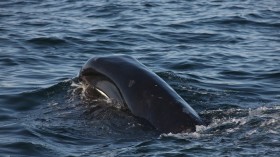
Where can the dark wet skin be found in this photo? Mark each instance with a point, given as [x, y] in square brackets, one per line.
[146, 95]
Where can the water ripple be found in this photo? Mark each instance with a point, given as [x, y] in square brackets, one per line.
[222, 57]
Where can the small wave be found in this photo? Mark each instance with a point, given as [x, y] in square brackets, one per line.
[188, 66]
[47, 41]
[270, 75]
[27, 148]
[235, 73]
[36, 23]
[239, 20]
[8, 62]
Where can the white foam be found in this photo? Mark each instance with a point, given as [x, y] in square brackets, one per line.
[231, 124]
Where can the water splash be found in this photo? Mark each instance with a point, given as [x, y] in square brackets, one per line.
[244, 122]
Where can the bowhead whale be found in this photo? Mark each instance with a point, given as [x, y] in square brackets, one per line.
[124, 79]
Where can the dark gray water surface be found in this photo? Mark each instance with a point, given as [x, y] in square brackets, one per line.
[221, 56]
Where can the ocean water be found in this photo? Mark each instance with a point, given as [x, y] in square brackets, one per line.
[221, 56]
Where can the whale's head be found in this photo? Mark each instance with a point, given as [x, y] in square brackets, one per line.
[144, 93]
